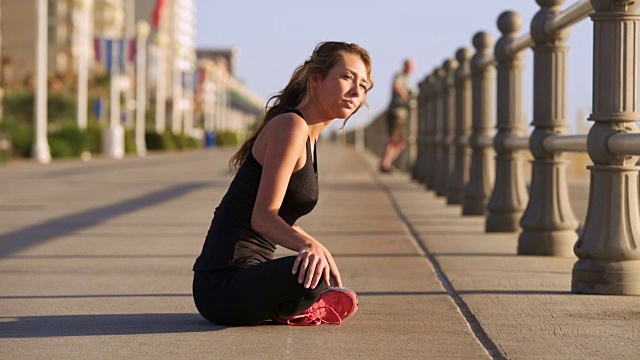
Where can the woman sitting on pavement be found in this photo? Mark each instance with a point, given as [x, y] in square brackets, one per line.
[237, 281]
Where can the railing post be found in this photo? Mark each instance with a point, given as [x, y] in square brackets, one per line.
[450, 67]
[509, 192]
[460, 174]
[448, 128]
[432, 129]
[420, 163]
[412, 133]
[442, 165]
[609, 257]
[549, 225]
[478, 190]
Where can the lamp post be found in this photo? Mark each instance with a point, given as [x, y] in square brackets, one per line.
[83, 57]
[113, 140]
[40, 149]
[142, 28]
[161, 84]
[111, 24]
[177, 94]
[188, 103]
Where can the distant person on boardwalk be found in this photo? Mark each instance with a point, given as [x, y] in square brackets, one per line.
[237, 281]
[397, 116]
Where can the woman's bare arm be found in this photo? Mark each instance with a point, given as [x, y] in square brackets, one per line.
[281, 151]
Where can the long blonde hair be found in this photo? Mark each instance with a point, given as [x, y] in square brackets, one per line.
[296, 93]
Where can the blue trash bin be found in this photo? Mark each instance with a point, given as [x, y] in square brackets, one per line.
[210, 139]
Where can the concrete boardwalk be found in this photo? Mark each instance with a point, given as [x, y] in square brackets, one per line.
[95, 262]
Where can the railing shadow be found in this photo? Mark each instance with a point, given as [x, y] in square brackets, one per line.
[18, 240]
[103, 324]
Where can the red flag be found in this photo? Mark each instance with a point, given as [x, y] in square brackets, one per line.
[157, 13]
[97, 48]
[133, 50]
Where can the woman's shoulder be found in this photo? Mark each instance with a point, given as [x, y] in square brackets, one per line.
[288, 123]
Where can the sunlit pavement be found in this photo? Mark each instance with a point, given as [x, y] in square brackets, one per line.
[95, 262]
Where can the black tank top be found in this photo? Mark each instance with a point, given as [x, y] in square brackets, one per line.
[231, 241]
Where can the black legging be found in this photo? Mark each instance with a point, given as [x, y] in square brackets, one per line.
[250, 295]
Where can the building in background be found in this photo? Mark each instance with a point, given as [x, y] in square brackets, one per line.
[223, 102]
[19, 38]
[190, 88]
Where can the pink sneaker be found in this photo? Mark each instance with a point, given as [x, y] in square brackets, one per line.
[334, 305]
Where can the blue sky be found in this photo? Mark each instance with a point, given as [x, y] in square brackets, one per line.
[273, 37]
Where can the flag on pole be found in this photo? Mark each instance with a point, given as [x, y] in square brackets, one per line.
[111, 53]
[133, 50]
[158, 9]
[120, 55]
[103, 50]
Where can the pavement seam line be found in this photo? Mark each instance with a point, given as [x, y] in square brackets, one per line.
[472, 321]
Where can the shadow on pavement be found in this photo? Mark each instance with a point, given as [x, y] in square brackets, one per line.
[399, 293]
[104, 324]
[465, 292]
[92, 296]
[34, 235]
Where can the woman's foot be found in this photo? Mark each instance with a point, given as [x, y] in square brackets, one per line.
[333, 306]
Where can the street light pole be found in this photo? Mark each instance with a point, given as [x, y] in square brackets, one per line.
[83, 66]
[113, 138]
[177, 94]
[40, 149]
[141, 71]
[161, 84]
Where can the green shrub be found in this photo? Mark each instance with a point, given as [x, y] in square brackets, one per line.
[21, 136]
[94, 135]
[180, 141]
[61, 107]
[129, 141]
[60, 148]
[192, 143]
[150, 117]
[168, 141]
[164, 141]
[226, 138]
[153, 141]
[18, 104]
[186, 142]
[68, 141]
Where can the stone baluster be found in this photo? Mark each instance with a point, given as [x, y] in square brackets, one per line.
[460, 174]
[509, 195]
[548, 224]
[478, 189]
[448, 128]
[609, 257]
[432, 126]
[419, 165]
[440, 179]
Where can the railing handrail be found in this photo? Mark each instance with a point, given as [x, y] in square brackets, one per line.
[569, 16]
[623, 144]
[565, 143]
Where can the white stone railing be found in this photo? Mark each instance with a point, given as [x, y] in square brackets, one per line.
[472, 161]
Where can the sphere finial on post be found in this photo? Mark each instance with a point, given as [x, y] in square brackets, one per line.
[509, 22]
[463, 55]
[482, 41]
[549, 3]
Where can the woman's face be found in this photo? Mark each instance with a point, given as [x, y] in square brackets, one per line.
[343, 90]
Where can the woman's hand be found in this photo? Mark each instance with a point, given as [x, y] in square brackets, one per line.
[313, 262]
[335, 274]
